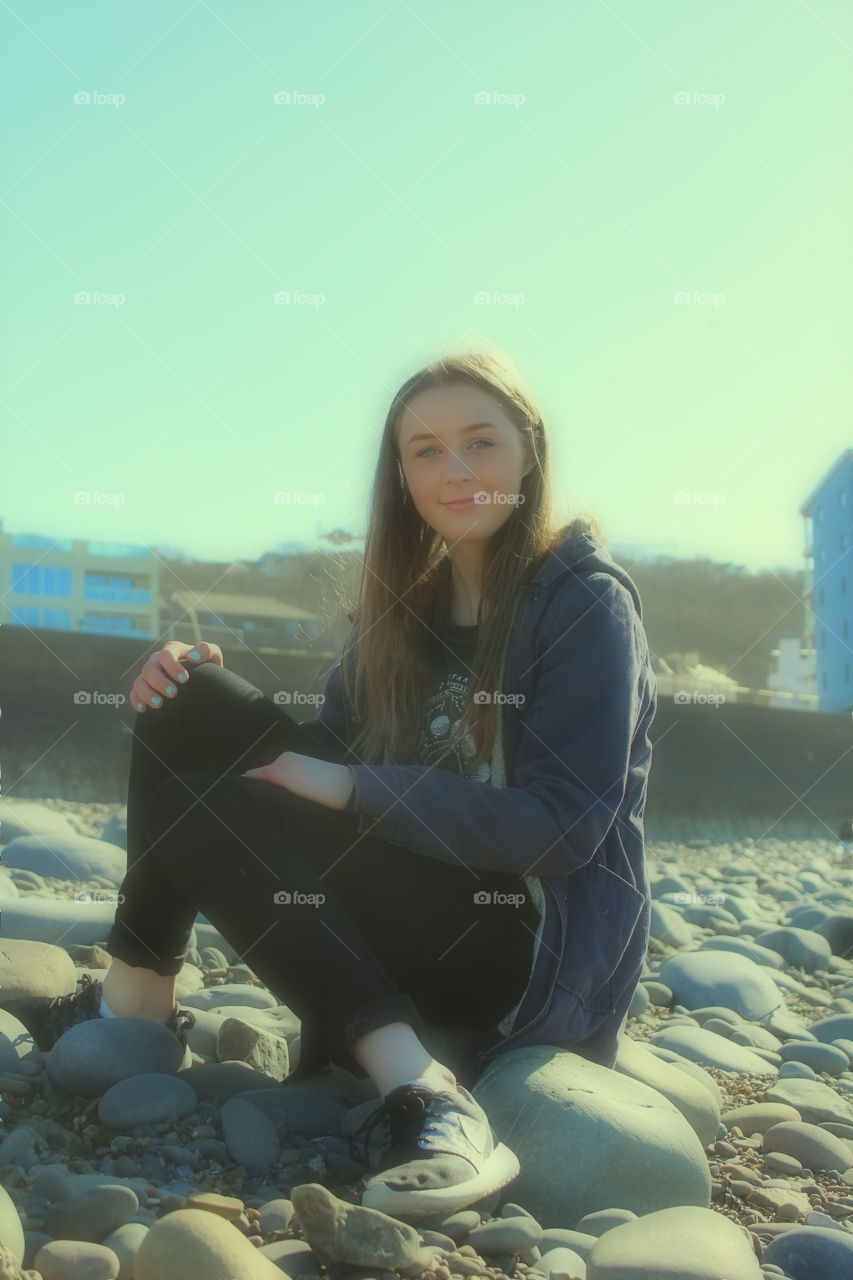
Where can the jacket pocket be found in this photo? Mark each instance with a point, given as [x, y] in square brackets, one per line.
[603, 910]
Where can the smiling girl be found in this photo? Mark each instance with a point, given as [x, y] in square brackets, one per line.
[457, 839]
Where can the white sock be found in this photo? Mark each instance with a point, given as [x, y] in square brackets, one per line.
[104, 1009]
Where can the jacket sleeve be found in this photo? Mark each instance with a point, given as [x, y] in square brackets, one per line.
[327, 734]
[571, 769]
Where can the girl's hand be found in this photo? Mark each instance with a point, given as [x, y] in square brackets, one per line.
[321, 780]
[163, 674]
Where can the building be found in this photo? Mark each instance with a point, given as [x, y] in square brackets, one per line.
[227, 619]
[828, 539]
[65, 584]
[793, 674]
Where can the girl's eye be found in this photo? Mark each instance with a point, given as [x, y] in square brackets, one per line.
[479, 440]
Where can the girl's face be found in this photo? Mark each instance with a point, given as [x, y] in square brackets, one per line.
[457, 446]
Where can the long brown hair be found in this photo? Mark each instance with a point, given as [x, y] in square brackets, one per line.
[404, 589]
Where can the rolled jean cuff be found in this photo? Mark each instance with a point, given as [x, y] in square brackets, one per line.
[122, 945]
[391, 1007]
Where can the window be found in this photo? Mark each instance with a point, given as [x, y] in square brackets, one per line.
[26, 580]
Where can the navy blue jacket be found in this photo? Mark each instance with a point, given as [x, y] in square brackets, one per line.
[576, 756]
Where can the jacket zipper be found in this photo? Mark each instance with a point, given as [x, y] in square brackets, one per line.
[484, 1055]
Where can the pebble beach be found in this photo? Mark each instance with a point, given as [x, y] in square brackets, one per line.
[721, 1145]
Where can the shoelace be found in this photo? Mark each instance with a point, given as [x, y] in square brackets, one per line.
[410, 1116]
[73, 1000]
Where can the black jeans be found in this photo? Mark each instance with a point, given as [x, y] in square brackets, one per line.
[350, 930]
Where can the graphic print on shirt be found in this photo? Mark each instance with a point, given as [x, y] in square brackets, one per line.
[441, 721]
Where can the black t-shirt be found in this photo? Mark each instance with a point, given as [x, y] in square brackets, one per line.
[443, 707]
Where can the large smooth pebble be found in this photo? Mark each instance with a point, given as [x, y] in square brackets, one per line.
[681, 1243]
[149, 1099]
[192, 1244]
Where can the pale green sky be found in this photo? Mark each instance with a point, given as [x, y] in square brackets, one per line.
[188, 195]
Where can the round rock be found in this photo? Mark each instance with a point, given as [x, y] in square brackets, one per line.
[148, 1099]
[680, 1243]
[721, 977]
[92, 1056]
[191, 1244]
[630, 1145]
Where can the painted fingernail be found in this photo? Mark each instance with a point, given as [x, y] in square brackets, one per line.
[156, 700]
[182, 676]
[139, 706]
[195, 655]
[171, 690]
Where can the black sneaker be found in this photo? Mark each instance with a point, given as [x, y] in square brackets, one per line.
[48, 1017]
[442, 1154]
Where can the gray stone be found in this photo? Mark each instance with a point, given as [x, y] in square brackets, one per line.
[68, 857]
[125, 1243]
[93, 1055]
[231, 993]
[249, 1135]
[70, 1259]
[758, 1117]
[805, 1253]
[342, 1232]
[838, 1026]
[561, 1262]
[820, 1057]
[238, 1041]
[62, 921]
[693, 1100]
[629, 1143]
[815, 1102]
[506, 1235]
[146, 1099]
[721, 977]
[715, 1051]
[803, 948]
[302, 1110]
[115, 829]
[26, 818]
[91, 1215]
[744, 947]
[192, 1244]
[34, 969]
[679, 1243]
[11, 1230]
[811, 1145]
[595, 1224]
[689, 1068]
[667, 926]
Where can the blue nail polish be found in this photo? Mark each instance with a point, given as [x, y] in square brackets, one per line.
[195, 655]
[156, 700]
[171, 690]
[182, 676]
